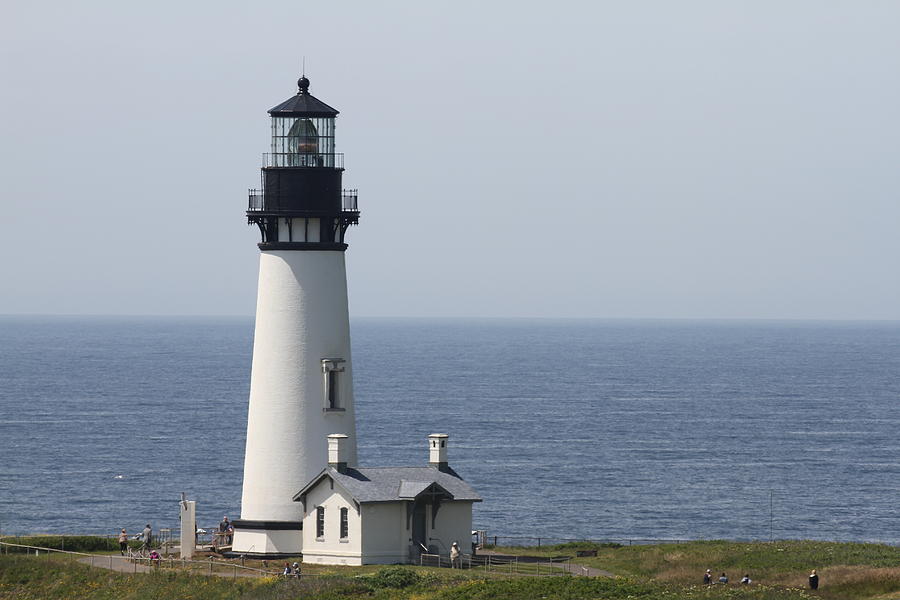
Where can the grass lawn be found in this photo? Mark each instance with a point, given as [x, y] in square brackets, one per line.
[661, 572]
[846, 570]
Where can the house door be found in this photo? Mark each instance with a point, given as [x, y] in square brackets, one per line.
[419, 538]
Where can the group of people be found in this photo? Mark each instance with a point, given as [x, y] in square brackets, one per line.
[146, 537]
[291, 570]
[723, 578]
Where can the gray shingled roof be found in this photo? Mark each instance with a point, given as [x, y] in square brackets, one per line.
[391, 484]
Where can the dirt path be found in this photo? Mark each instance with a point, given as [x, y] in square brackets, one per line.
[587, 571]
[572, 568]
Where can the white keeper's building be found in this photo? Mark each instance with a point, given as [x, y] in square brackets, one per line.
[386, 515]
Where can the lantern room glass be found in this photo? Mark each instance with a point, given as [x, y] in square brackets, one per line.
[303, 142]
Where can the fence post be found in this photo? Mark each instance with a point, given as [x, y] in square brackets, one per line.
[495, 540]
[233, 572]
[210, 567]
[110, 562]
[539, 542]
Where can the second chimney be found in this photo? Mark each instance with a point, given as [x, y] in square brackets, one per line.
[437, 451]
[337, 452]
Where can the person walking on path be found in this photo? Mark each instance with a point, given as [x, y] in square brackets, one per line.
[146, 537]
[123, 542]
[707, 577]
[813, 580]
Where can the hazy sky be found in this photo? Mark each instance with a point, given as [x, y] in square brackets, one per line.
[594, 159]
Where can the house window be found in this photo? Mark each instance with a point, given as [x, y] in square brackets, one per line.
[320, 522]
[345, 529]
[331, 370]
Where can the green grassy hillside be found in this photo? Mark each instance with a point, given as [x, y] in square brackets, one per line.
[664, 572]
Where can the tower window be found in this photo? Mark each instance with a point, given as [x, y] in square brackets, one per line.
[331, 370]
[332, 389]
[320, 523]
[345, 528]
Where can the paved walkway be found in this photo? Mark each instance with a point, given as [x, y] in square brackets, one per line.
[120, 564]
[114, 563]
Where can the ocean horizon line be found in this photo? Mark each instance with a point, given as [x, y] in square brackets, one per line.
[469, 319]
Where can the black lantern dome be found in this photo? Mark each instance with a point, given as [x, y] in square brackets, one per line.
[303, 104]
[301, 205]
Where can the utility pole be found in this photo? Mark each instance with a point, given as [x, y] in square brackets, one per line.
[771, 515]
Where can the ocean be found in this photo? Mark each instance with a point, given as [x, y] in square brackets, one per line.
[622, 430]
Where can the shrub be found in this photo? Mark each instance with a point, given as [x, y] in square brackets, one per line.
[585, 545]
[395, 577]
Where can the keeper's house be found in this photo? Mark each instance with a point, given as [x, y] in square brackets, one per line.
[359, 516]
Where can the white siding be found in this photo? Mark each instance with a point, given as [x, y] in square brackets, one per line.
[331, 550]
[385, 538]
[453, 524]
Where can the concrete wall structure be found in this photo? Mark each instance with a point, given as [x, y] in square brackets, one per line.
[188, 533]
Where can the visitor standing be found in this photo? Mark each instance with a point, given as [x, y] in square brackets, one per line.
[123, 542]
[146, 537]
[224, 526]
[813, 580]
[723, 578]
[454, 556]
[707, 577]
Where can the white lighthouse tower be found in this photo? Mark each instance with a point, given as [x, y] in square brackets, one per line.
[301, 384]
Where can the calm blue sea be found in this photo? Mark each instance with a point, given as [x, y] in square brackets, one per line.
[597, 429]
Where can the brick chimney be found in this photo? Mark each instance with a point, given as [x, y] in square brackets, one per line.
[337, 452]
[437, 451]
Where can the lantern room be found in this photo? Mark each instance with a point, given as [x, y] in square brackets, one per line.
[303, 132]
[301, 204]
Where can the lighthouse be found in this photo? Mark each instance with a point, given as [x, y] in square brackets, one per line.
[301, 382]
